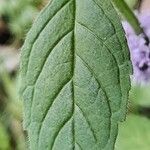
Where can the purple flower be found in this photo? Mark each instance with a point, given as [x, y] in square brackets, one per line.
[140, 52]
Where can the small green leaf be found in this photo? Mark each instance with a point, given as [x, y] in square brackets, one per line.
[134, 134]
[75, 76]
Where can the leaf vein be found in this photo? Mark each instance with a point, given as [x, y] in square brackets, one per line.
[39, 33]
[55, 44]
[73, 72]
[79, 146]
[114, 58]
[100, 86]
[59, 130]
[49, 107]
[88, 122]
[49, 52]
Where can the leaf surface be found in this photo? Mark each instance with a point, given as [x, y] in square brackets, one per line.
[75, 76]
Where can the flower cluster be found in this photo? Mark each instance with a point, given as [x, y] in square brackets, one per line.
[139, 49]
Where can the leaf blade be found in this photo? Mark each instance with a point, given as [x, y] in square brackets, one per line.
[75, 51]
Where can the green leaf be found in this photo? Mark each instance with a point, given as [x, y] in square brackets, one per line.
[75, 76]
[134, 134]
[4, 138]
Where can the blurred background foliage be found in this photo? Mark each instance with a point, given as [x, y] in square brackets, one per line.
[16, 17]
[19, 14]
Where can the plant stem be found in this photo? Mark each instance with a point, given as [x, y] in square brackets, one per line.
[124, 9]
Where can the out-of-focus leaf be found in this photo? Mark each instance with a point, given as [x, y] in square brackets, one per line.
[140, 95]
[23, 22]
[19, 15]
[134, 134]
[4, 138]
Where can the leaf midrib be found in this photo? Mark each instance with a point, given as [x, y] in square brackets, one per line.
[73, 72]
